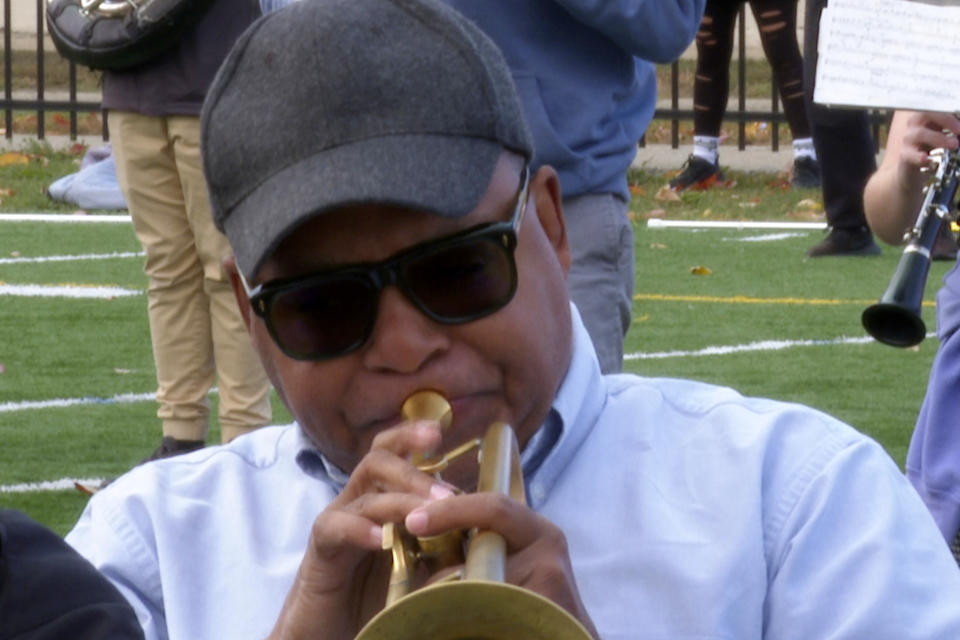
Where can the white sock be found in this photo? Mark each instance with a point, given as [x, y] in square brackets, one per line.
[803, 148]
[706, 147]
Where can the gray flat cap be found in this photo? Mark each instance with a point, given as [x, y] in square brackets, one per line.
[327, 103]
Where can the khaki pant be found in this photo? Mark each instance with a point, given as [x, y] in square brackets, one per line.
[195, 326]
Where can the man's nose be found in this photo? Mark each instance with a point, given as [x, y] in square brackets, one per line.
[403, 338]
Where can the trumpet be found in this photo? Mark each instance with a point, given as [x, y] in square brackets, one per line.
[895, 320]
[474, 603]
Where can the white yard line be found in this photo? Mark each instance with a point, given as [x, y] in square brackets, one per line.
[65, 291]
[62, 217]
[659, 223]
[63, 484]
[762, 345]
[69, 258]
[767, 237]
[56, 403]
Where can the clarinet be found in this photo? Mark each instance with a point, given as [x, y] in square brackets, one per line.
[895, 320]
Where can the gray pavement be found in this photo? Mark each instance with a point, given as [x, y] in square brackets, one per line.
[753, 158]
[661, 157]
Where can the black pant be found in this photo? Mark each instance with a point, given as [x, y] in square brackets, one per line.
[841, 137]
[777, 25]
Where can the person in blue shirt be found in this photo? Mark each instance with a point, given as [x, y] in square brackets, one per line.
[389, 236]
[585, 74]
[892, 198]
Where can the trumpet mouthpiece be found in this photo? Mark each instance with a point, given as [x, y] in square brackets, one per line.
[428, 405]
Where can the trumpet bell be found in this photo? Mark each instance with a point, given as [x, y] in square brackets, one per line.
[474, 610]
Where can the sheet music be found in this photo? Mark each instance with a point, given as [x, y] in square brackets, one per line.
[889, 54]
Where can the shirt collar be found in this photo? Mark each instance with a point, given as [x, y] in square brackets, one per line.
[575, 407]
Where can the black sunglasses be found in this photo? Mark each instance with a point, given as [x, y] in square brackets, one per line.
[451, 280]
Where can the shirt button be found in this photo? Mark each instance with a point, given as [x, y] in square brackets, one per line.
[537, 493]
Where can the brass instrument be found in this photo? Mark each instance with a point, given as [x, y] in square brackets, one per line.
[475, 604]
[109, 8]
[119, 34]
[895, 319]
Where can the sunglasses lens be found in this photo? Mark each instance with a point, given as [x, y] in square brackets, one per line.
[323, 318]
[465, 281]
[331, 315]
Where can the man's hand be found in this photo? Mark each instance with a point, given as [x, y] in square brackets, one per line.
[537, 555]
[343, 576]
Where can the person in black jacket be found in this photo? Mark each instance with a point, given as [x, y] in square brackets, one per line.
[196, 330]
[50, 592]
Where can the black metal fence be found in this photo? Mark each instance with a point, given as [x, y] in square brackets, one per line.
[38, 103]
[35, 101]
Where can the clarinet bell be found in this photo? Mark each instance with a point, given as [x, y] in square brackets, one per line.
[895, 320]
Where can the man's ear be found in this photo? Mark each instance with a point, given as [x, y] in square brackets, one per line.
[548, 198]
[230, 268]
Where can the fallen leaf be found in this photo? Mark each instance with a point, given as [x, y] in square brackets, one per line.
[810, 204]
[3, 369]
[13, 157]
[806, 216]
[747, 205]
[781, 182]
[15, 254]
[655, 213]
[700, 270]
[6, 192]
[666, 194]
[658, 245]
[706, 213]
[637, 190]
[122, 371]
[706, 183]
[642, 318]
[85, 488]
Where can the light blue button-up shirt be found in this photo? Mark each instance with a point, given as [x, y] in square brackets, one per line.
[689, 511]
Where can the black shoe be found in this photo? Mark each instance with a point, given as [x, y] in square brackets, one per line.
[806, 173]
[170, 447]
[945, 246]
[845, 242]
[696, 173]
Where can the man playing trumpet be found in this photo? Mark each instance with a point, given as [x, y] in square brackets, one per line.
[368, 160]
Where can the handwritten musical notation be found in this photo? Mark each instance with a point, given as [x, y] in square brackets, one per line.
[889, 54]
